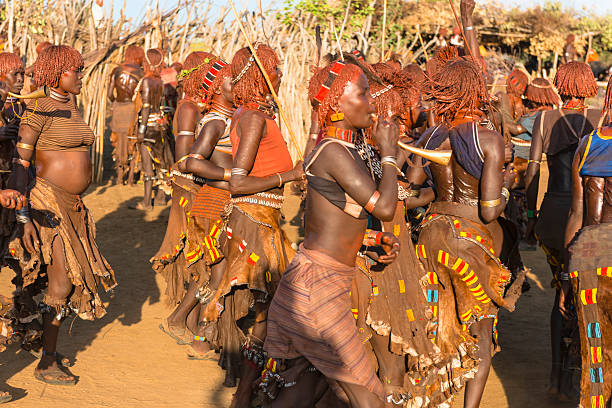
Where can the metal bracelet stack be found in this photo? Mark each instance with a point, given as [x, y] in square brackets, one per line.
[23, 216]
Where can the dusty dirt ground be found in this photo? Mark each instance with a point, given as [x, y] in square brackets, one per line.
[124, 360]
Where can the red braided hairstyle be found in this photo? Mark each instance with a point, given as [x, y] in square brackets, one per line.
[440, 58]
[541, 92]
[458, 85]
[53, 61]
[415, 73]
[252, 86]
[42, 46]
[402, 82]
[154, 61]
[349, 73]
[389, 103]
[516, 83]
[576, 80]
[607, 107]
[9, 61]
[134, 55]
[195, 68]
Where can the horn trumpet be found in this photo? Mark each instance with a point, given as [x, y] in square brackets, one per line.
[39, 93]
[437, 156]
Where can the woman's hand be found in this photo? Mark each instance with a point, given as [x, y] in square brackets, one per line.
[391, 245]
[12, 199]
[386, 135]
[297, 174]
[29, 237]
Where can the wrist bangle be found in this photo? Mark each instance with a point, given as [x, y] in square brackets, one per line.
[532, 213]
[23, 216]
[564, 276]
[142, 128]
[280, 180]
[506, 193]
[388, 163]
[468, 28]
[227, 174]
[196, 156]
[388, 159]
[369, 207]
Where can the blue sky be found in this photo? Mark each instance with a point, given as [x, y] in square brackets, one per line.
[135, 7]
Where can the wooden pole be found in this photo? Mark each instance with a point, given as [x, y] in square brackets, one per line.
[384, 29]
[268, 81]
[422, 43]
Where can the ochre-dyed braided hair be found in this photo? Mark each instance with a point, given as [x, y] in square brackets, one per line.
[440, 58]
[42, 46]
[402, 82]
[575, 80]
[154, 61]
[134, 55]
[607, 107]
[252, 86]
[516, 83]
[458, 85]
[388, 103]
[195, 68]
[9, 61]
[53, 61]
[349, 73]
[416, 74]
[385, 71]
[541, 92]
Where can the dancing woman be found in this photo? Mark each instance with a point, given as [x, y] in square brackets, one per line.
[588, 238]
[12, 75]
[175, 259]
[57, 233]
[257, 249]
[310, 315]
[211, 159]
[460, 238]
[557, 133]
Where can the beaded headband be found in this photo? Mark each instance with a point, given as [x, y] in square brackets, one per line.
[186, 73]
[246, 67]
[331, 77]
[382, 91]
[358, 55]
[212, 74]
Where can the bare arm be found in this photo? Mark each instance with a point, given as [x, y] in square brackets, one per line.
[145, 93]
[574, 222]
[204, 146]
[20, 176]
[111, 85]
[532, 176]
[251, 127]
[467, 21]
[338, 164]
[314, 133]
[492, 178]
[186, 118]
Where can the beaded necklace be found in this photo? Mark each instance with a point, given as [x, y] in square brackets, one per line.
[59, 97]
[341, 134]
[267, 108]
[578, 105]
[222, 110]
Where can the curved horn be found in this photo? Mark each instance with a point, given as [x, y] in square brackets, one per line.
[39, 93]
[437, 156]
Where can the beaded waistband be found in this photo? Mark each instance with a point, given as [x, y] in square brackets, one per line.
[265, 199]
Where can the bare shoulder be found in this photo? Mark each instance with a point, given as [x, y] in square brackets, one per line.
[490, 139]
